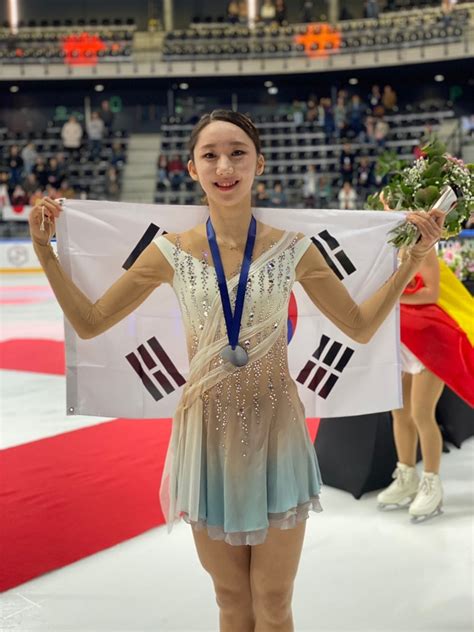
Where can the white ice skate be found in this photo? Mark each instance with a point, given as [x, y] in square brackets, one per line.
[429, 499]
[403, 489]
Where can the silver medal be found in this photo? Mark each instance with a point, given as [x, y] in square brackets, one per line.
[237, 356]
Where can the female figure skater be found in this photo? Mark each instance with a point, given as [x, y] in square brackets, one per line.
[240, 468]
[421, 392]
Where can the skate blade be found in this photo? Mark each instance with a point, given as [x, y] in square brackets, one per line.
[420, 519]
[395, 506]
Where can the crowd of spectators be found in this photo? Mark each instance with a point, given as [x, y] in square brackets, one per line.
[28, 175]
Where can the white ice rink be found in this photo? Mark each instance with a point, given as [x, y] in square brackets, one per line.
[361, 570]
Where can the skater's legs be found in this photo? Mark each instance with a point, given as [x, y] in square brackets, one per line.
[229, 568]
[272, 572]
[425, 392]
[404, 429]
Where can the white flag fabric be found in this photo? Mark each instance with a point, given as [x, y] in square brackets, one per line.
[137, 368]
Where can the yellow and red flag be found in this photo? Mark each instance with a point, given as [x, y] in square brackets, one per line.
[441, 334]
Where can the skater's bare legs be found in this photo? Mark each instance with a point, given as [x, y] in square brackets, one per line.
[404, 428]
[229, 568]
[272, 572]
[425, 392]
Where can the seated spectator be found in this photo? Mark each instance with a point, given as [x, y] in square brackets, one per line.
[15, 166]
[389, 98]
[261, 195]
[112, 184]
[162, 166]
[329, 124]
[340, 118]
[55, 174]
[66, 191]
[370, 128]
[107, 116]
[41, 172]
[278, 197]
[280, 12]
[118, 156]
[29, 155]
[18, 196]
[312, 112]
[71, 134]
[310, 183]
[95, 131]
[268, 12]
[325, 191]
[355, 116]
[233, 12]
[381, 130]
[371, 9]
[365, 176]
[375, 97]
[30, 184]
[346, 163]
[243, 12]
[297, 112]
[307, 14]
[347, 197]
[176, 172]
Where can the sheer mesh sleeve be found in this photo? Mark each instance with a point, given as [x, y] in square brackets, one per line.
[130, 290]
[328, 293]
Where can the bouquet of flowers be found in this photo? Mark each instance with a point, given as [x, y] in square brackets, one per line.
[434, 180]
[459, 257]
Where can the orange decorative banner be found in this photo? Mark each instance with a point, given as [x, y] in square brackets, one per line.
[82, 49]
[319, 38]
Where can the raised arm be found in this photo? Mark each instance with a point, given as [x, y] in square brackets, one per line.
[130, 290]
[330, 296]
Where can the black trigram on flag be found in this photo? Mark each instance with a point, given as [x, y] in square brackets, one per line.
[336, 258]
[326, 375]
[151, 232]
[157, 382]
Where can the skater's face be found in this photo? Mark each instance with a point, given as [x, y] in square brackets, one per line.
[225, 163]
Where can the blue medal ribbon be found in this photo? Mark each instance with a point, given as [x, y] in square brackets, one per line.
[234, 321]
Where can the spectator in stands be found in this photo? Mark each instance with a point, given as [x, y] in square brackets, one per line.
[71, 134]
[66, 190]
[278, 197]
[95, 130]
[297, 112]
[112, 184]
[364, 176]
[162, 166]
[261, 196]
[29, 155]
[233, 12]
[15, 166]
[118, 157]
[310, 183]
[41, 172]
[375, 97]
[107, 116]
[356, 113]
[312, 112]
[329, 125]
[18, 196]
[346, 163]
[381, 130]
[371, 9]
[55, 174]
[30, 184]
[268, 12]
[176, 172]
[243, 12]
[347, 197]
[389, 98]
[340, 118]
[307, 14]
[280, 13]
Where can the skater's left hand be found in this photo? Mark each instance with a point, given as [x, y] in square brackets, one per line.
[430, 224]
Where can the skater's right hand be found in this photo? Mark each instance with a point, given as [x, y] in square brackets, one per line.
[51, 210]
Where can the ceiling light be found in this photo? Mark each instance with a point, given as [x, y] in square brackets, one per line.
[99, 87]
[353, 81]
[439, 78]
[273, 90]
[268, 84]
[184, 86]
[14, 88]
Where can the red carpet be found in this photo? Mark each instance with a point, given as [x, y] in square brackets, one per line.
[36, 356]
[66, 497]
